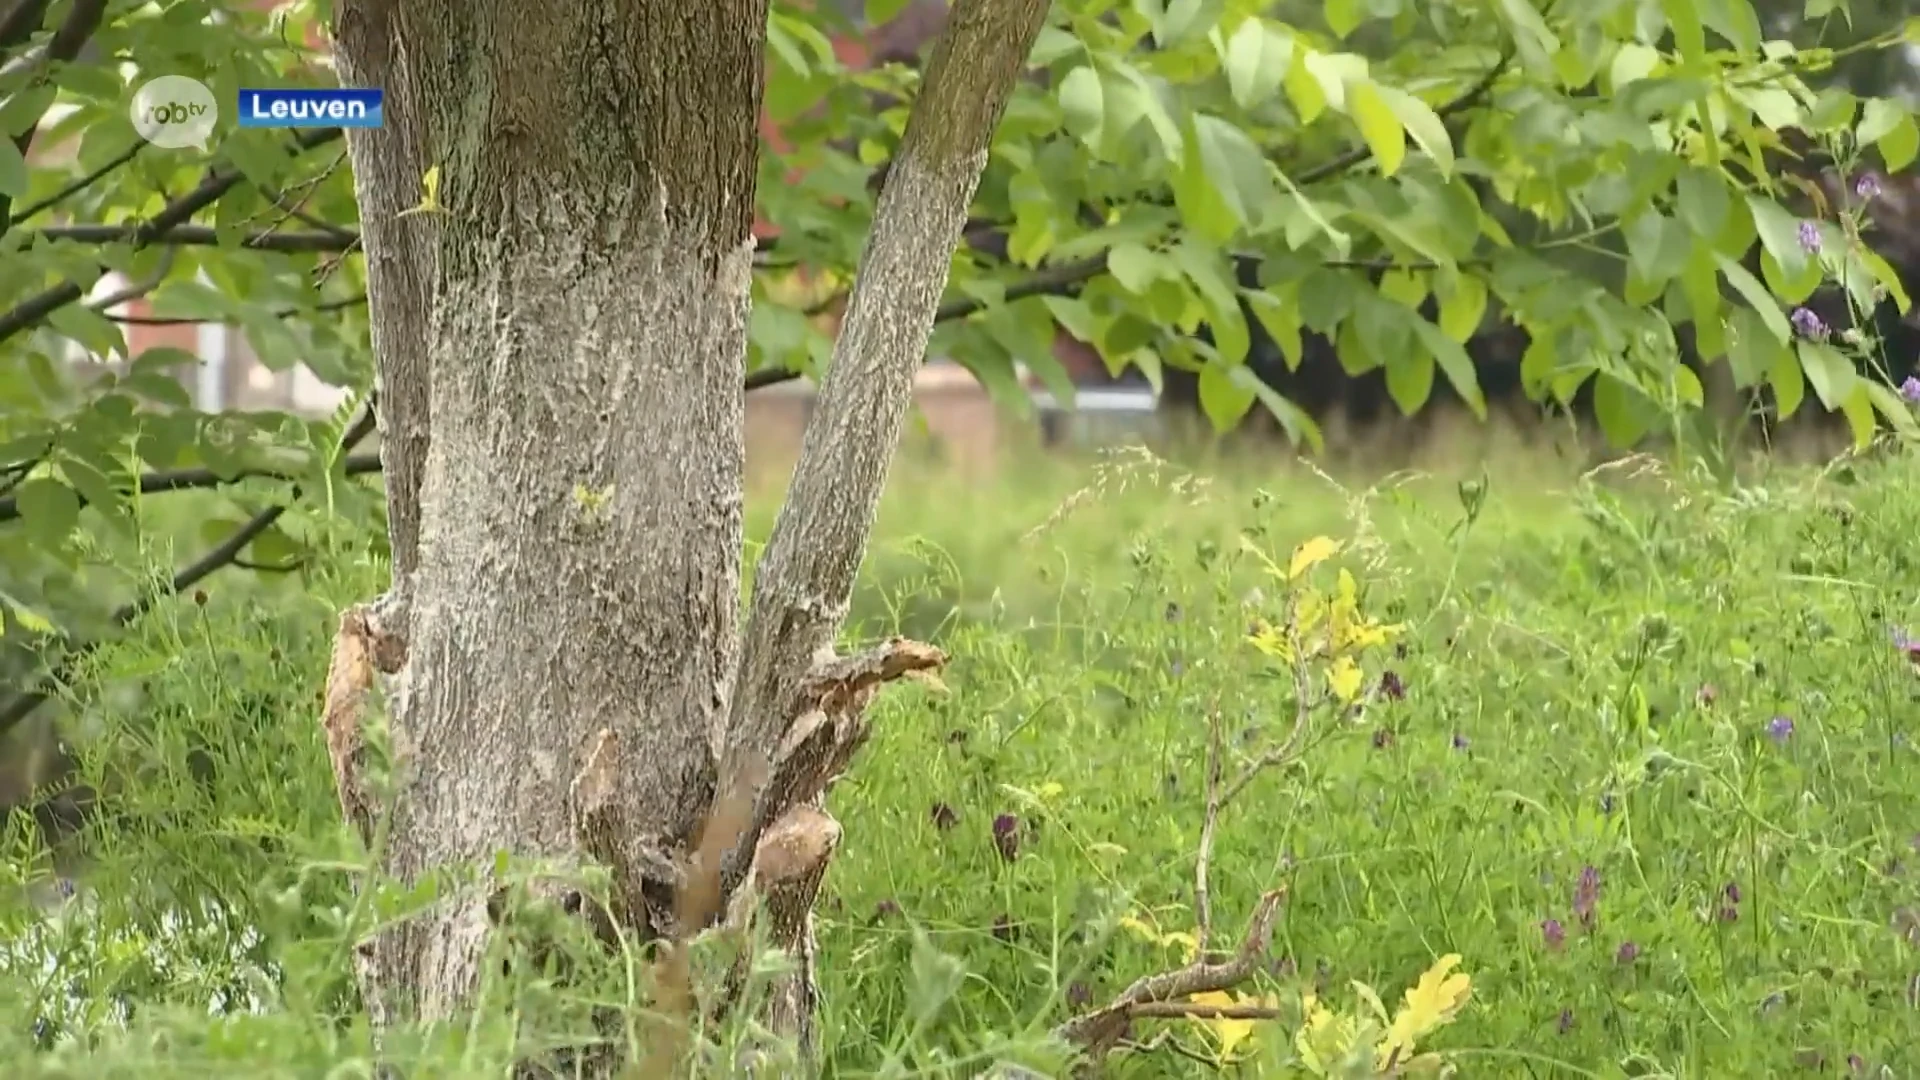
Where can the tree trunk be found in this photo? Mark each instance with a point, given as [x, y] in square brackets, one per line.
[565, 462]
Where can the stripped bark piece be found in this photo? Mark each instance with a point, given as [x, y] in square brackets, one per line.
[361, 652]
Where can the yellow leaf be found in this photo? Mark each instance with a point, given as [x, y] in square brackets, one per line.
[1050, 790]
[1229, 1033]
[429, 195]
[1311, 554]
[1378, 126]
[1344, 679]
[1325, 1040]
[1435, 1000]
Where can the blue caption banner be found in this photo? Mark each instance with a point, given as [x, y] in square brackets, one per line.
[354, 108]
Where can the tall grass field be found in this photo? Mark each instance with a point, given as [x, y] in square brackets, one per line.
[1636, 746]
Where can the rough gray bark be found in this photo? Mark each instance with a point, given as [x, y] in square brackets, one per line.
[389, 165]
[564, 626]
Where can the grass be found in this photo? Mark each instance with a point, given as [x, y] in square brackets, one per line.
[1593, 671]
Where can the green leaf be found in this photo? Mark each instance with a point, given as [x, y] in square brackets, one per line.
[1410, 380]
[1224, 318]
[882, 12]
[1830, 372]
[1756, 294]
[1455, 362]
[49, 508]
[1858, 409]
[1535, 41]
[1083, 104]
[1689, 34]
[1899, 146]
[15, 179]
[1463, 307]
[1281, 320]
[1343, 16]
[1378, 126]
[1422, 123]
[1657, 246]
[1703, 201]
[1297, 424]
[1779, 232]
[1621, 411]
[1136, 267]
[1891, 405]
[1256, 59]
[1222, 397]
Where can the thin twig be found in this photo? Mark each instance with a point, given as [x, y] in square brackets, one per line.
[332, 239]
[283, 313]
[80, 185]
[1202, 863]
[190, 479]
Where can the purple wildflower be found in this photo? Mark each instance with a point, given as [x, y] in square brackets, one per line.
[1730, 902]
[1780, 729]
[885, 909]
[1460, 741]
[944, 817]
[1856, 1064]
[1391, 686]
[1809, 323]
[1586, 896]
[1706, 695]
[1626, 954]
[1867, 187]
[1910, 389]
[1810, 237]
[1554, 934]
[1566, 1021]
[1006, 836]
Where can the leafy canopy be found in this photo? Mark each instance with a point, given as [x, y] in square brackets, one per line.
[1395, 176]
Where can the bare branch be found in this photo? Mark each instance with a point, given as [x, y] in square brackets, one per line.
[334, 239]
[29, 313]
[1098, 1032]
[22, 705]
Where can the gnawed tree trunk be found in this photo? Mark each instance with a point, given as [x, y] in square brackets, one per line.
[561, 347]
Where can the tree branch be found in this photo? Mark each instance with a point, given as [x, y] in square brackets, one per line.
[403, 257]
[83, 18]
[283, 313]
[334, 239]
[80, 185]
[806, 576]
[22, 705]
[29, 313]
[190, 479]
